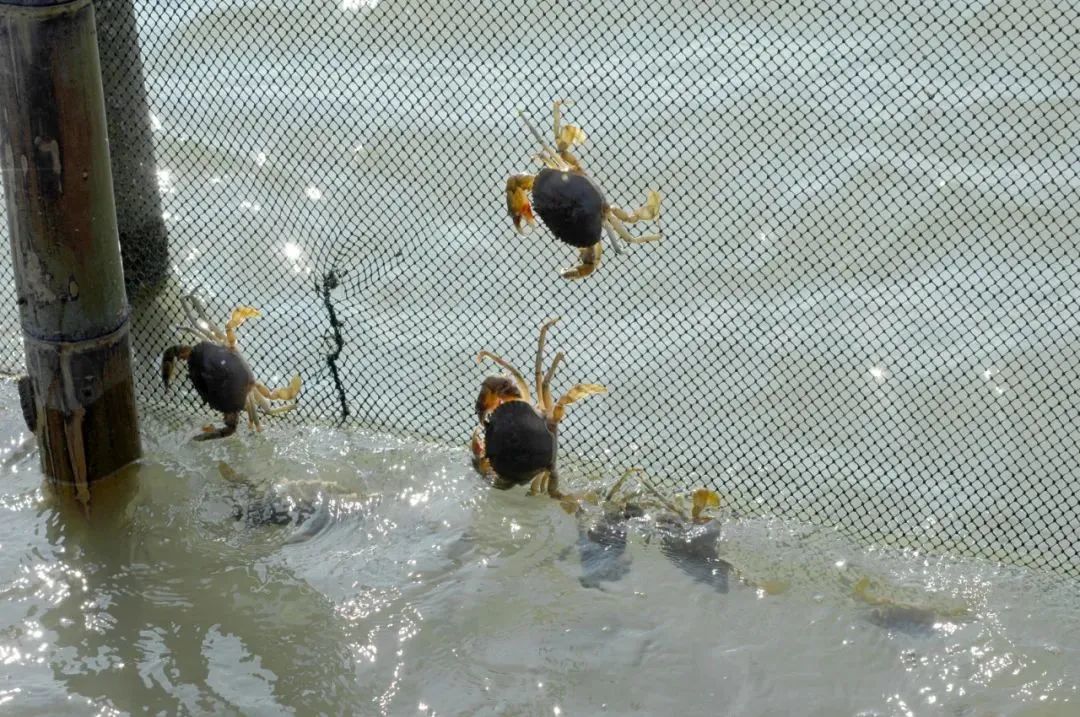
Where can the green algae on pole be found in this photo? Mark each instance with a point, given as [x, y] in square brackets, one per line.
[65, 249]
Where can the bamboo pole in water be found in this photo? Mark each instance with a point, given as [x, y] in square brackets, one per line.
[65, 249]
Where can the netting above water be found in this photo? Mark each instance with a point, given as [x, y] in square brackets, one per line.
[863, 311]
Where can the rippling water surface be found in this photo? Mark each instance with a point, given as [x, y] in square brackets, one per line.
[412, 588]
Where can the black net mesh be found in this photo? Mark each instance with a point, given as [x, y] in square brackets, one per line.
[863, 311]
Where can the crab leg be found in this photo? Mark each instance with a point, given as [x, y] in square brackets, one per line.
[479, 460]
[169, 359]
[646, 212]
[264, 405]
[613, 238]
[539, 484]
[575, 394]
[589, 259]
[281, 394]
[549, 407]
[618, 484]
[483, 466]
[278, 410]
[626, 236]
[253, 416]
[547, 156]
[239, 315]
[551, 485]
[544, 147]
[195, 310]
[210, 433]
[201, 333]
[539, 366]
[566, 136]
[556, 118]
[518, 378]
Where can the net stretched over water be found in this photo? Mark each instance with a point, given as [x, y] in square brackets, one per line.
[863, 312]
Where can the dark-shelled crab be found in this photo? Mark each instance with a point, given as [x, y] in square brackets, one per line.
[220, 373]
[571, 204]
[516, 441]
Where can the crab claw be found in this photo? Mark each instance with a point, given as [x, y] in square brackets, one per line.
[518, 187]
[168, 362]
[477, 443]
[480, 462]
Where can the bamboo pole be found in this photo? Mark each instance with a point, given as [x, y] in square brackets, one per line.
[65, 249]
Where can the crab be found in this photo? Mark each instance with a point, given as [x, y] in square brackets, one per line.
[688, 540]
[571, 204]
[306, 506]
[220, 374]
[516, 441]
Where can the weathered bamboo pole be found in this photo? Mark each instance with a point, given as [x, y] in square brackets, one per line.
[65, 249]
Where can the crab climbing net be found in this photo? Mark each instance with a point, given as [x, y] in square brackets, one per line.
[863, 309]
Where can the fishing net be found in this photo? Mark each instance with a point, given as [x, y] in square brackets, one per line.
[863, 310]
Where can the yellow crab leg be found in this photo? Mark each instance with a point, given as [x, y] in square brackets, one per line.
[281, 394]
[626, 236]
[253, 417]
[545, 401]
[268, 408]
[239, 315]
[545, 390]
[566, 136]
[646, 212]
[547, 156]
[588, 259]
[575, 394]
[538, 484]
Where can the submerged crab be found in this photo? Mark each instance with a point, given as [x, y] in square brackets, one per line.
[307, 507]
[517, 439]
[220, 374]
[569, 202]
[929, 613]
[689, 541]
